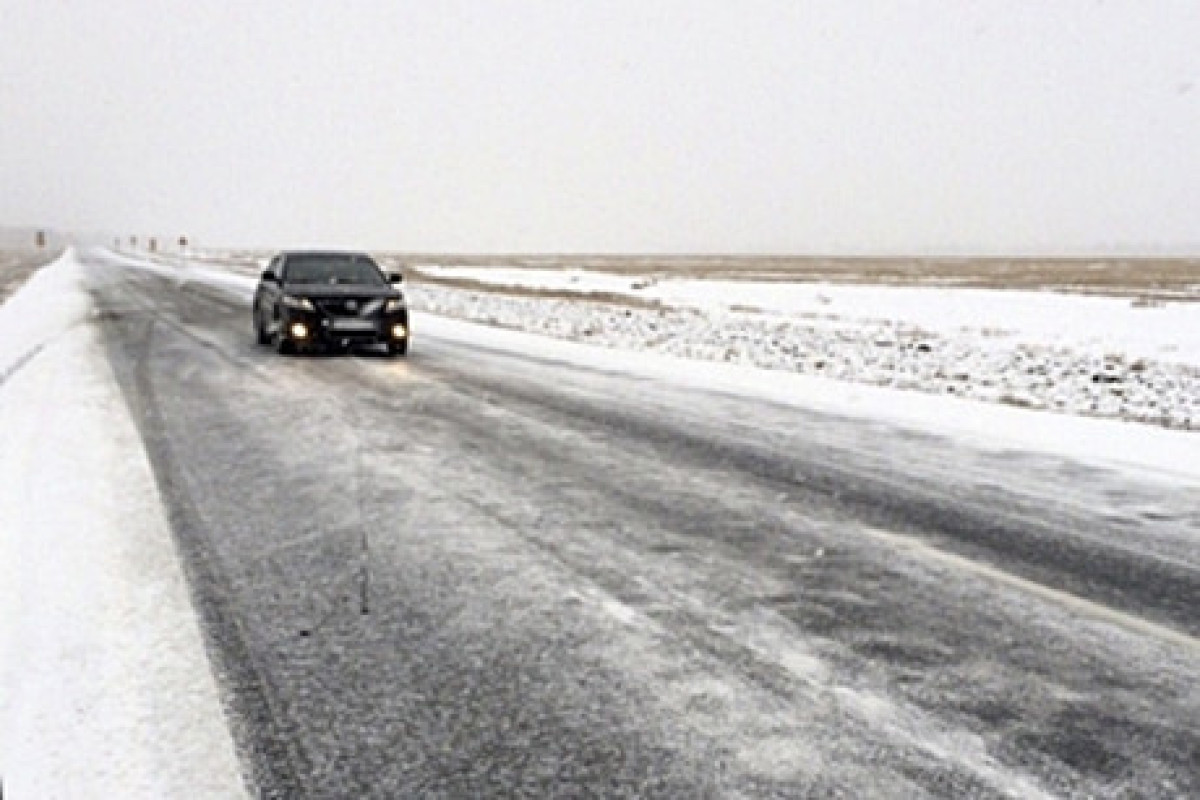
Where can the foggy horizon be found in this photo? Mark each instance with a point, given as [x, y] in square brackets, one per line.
[907, 129]
[23, 235]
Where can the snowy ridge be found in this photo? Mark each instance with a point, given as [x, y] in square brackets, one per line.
[105, 689]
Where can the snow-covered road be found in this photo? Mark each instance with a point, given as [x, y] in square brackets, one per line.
[613, 571]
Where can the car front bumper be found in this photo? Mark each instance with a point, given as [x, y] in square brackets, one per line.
[316, 329]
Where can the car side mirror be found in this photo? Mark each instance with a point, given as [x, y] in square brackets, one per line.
[269, 276]
[395, 277]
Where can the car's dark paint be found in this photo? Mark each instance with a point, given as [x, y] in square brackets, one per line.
[350, 306]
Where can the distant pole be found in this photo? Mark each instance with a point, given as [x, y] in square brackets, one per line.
[41, 239]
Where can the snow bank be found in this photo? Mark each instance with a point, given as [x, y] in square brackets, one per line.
[1163, 330]
[105, 690]
[1077, 355]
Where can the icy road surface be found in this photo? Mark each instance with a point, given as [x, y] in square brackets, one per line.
[498, 568]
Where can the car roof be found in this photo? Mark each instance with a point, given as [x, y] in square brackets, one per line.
[341, 253]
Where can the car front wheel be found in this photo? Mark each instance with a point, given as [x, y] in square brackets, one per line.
[260, 331]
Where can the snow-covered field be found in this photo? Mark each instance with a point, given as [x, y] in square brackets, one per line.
[1069, 353]
[105, 690]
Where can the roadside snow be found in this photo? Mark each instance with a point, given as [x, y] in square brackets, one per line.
[105, 689]
[1165, 330]
[1079, 355]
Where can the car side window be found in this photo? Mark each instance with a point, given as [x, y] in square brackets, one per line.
[276, 267]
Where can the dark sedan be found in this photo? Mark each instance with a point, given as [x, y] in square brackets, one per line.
[308, 301]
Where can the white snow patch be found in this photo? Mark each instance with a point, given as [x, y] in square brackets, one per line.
[105, 689]
[1164, 330]
[1103, 375]
[570, 279]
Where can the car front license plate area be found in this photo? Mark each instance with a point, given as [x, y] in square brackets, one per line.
[351, 325]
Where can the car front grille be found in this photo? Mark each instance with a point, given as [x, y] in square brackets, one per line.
[349, 306]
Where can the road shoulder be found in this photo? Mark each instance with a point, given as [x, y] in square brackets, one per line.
[106, 688]
[18, 266]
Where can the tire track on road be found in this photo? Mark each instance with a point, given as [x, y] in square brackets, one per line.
[259, 719]
[1013, 539]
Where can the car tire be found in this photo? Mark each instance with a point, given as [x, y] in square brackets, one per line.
[260, 332]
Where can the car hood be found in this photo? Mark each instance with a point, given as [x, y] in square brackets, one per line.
[323, 290]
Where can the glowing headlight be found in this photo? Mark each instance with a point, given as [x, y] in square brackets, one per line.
[298, 330]
[302, 303]
[394, 304]
[399, 332]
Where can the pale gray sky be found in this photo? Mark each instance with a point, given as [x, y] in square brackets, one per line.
[699, 125]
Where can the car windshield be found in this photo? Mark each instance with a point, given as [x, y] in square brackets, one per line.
[332, 268]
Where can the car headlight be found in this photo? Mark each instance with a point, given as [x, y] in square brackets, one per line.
[302, 303]
[394, 304]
